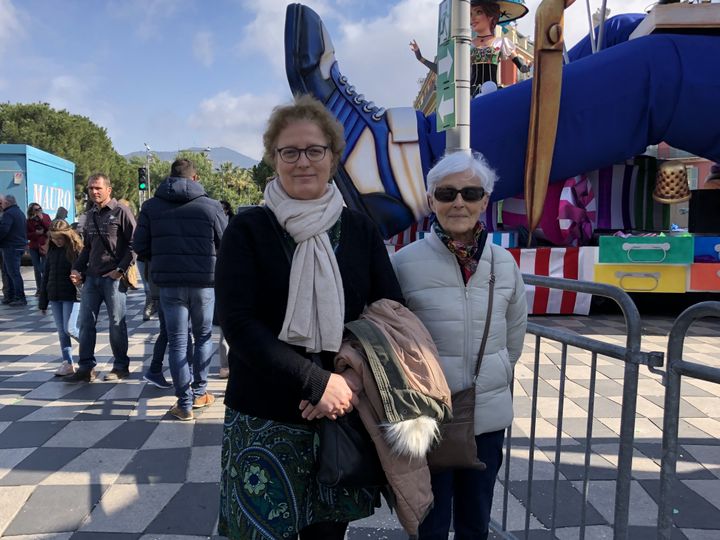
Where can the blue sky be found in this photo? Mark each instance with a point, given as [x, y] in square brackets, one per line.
[181, 73]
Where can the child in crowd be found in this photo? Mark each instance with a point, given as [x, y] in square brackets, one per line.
[58, 291]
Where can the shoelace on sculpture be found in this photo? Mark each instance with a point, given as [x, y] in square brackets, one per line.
[359, 99]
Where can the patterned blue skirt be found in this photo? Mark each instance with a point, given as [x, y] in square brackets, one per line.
[268, 488]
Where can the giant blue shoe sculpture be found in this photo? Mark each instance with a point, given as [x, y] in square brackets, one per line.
[381, 170]
[614, 104]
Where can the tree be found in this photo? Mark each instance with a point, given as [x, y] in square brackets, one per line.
[227, 183]
[234, 185]
[261, 173]
[72, 137]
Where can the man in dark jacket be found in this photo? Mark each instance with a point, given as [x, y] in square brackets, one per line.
[5, 278]
[13, 239]
[179, 231]
[107, 254]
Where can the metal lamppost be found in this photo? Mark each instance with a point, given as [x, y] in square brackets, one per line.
[148, 158]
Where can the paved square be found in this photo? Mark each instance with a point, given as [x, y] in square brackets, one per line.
[104, 461]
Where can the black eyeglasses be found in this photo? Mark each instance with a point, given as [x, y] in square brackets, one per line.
[469, 194]
[290, 154]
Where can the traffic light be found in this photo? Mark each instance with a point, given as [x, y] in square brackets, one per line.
[142, 178]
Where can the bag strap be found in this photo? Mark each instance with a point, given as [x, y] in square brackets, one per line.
[481, 352]
[103, 240]
[278, 230]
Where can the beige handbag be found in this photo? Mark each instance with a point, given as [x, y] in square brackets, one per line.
[457, 448]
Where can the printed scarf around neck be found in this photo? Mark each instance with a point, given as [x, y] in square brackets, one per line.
[467, 255]
[315, 312]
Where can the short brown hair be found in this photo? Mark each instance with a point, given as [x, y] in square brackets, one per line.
[98, 176]
[303, 107]
[183, 168]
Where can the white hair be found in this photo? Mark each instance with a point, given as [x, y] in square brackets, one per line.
[10, 199]
[458, 162]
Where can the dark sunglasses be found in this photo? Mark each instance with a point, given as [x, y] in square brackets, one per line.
[469, 194]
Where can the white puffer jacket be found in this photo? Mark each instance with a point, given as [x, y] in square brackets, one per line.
[454, 314]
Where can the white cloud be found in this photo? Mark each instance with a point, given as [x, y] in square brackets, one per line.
[203, 49]
[263, 36]
[10, 27]
[374, 54]
[235, 121]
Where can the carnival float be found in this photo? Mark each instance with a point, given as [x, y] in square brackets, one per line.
[583, 191]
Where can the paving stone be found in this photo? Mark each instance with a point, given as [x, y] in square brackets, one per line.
[12, 500]
[171, 435]
[544, 389]
[83, 434]
[709, 456]
[129, 507]
[689, 508]
[94, 466]
[207, 434]
[107, 410]
[38, 465]
[601, 494]
[49, 536]
[568, 499]
[167, 465]
[29, 434]
[572, 465]
[192, 510]
[87, 391]
[204, 464]
[105, 536]
[12, 456]
[132, 434]
[602, 407]
[12, 413]
[63, 508]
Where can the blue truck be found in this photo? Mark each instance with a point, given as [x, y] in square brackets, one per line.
[35, 176]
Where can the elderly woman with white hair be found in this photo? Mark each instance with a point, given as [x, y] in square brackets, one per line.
[447, 281]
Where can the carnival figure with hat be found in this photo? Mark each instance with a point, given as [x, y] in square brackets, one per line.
[488, 49]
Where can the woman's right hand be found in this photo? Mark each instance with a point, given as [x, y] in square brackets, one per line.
[337, 400]
[414, 47]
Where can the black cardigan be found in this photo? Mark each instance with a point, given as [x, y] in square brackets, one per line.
[268, 377]
[56, 284]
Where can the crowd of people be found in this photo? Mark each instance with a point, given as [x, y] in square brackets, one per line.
[283, 280]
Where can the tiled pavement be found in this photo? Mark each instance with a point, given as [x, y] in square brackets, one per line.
[103, 461]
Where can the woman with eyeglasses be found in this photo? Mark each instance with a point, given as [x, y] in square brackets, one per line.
[38, 225]
[288, 276]
[446, 280]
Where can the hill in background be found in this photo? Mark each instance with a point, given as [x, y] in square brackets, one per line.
[217, 155]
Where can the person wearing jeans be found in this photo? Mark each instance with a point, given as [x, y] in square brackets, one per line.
[65, 313]
[154, 374]
[58, 291]
[113, 292]
[106, 256]
[179, 231]
[189, 371]
[13, 238]
[38, 225]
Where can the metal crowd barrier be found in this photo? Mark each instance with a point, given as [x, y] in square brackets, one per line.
[633, 357]
[677, 368]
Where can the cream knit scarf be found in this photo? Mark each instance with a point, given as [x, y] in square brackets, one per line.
[316, 302]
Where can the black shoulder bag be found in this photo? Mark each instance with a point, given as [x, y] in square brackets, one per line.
[346, 455]
[457, 448]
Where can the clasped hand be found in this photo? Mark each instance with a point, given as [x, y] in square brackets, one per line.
[339, 398]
